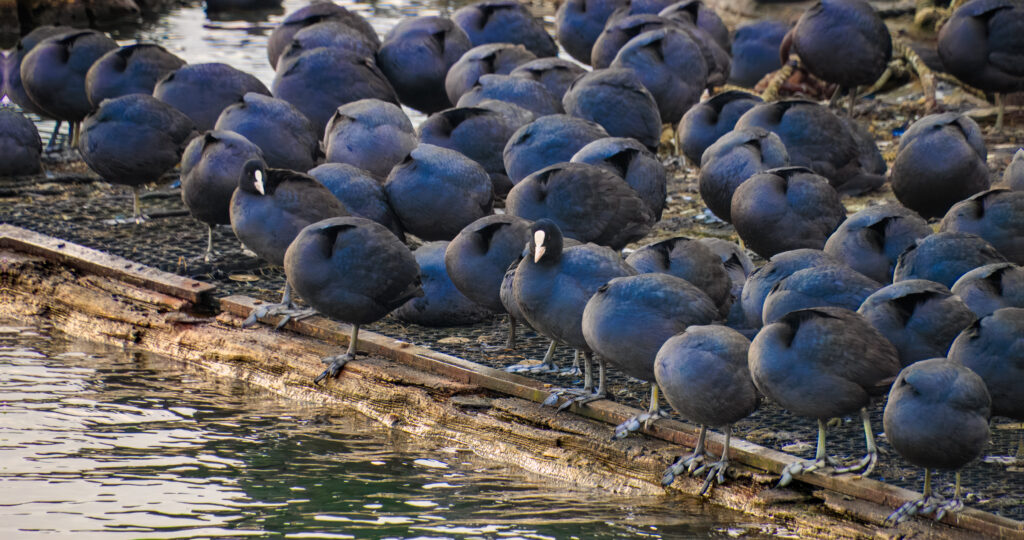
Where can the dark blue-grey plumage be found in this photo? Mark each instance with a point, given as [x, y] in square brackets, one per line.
[360, 192]
[319, 81]
[688, 259]
[210, 168]
[708, 121]
[202, 91]
[993, 347]
[20, 144]
[920, 317]
[53, 72]
[997, 215]
[586, 202]
[761, 281]
[634, 163]
[732, 159]
[671, 65]
[479, 134]
[371, 134]
[416, 55]
[526, 93]
[755, 51]
[827, 285]
[491, 58]
[271, 206]
[505, 21]
[435, 192]
[546, 141]
[478, 258]
[944, 257]
[578, 23]
[284, 134]
[819, 140]
[616, 99]
[785, 209]
[442, 304]
[311, 14]
[871, 240]
[556, 74]
[991, 287]
[941, 161]
[132, 69]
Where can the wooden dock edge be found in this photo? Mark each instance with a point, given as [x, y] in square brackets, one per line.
[91, 295]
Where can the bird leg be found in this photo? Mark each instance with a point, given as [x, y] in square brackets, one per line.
[866, 463]
[834, 100]
[336, 363]
[929, 503]
[52, 144]
[691, 464]
[137, 214]
[853, 101]
[511, 343]
[716, 470]
[575, 369]
[76, 132]
[547, 365]
[633, 424]
[285, 308]
[587, 393]
[1001, 110]
[208, 256]
[820, 460]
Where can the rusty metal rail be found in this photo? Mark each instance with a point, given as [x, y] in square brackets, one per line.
[748, 454]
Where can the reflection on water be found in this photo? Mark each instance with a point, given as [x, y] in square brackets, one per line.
[103, 443]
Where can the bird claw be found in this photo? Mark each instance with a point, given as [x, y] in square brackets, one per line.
[864, 466]
[634, 423]
[691, 464]
[538, 368]
[801, 467]
[716, 474]
[935, 505]
[582, 397]
[288, 314]
[335, 365]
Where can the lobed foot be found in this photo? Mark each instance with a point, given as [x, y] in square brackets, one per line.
[288, 313]
[539, 368]
[935, 505]
[580, 397]
[801, 467]
[691, 464]
[334, 367]
[633, 424]
[864, 466]
[716, 474]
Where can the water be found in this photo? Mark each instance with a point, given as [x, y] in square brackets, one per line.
[105, 443]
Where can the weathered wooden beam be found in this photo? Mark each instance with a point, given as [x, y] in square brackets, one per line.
[84, 305]
[741, 451]
[104, 264]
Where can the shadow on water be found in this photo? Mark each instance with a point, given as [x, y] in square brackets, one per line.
[107, 443]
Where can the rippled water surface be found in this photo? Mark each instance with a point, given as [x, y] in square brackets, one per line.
[103, 443]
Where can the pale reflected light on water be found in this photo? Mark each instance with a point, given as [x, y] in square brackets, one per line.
[101, 443]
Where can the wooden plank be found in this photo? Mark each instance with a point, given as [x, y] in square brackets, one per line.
[104, 264]
[747, 453]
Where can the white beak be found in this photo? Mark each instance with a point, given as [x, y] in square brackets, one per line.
[259, 181]
[538, 241]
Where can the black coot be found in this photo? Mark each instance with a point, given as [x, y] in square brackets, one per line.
[704, 375]
[132, 69]
[435, 192]
[920, 317]
[269, 208]
[708, 121]
[202, 91]
[210, 168]
[937, 418]
[871, 240]
[416, 55]
[283, 133]
[991, 287]
[941, 161]
[354, 270]
[133, 140]
[587, 203]
[442, 303]
[370, 134]
[824, 363]
[785, 209]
